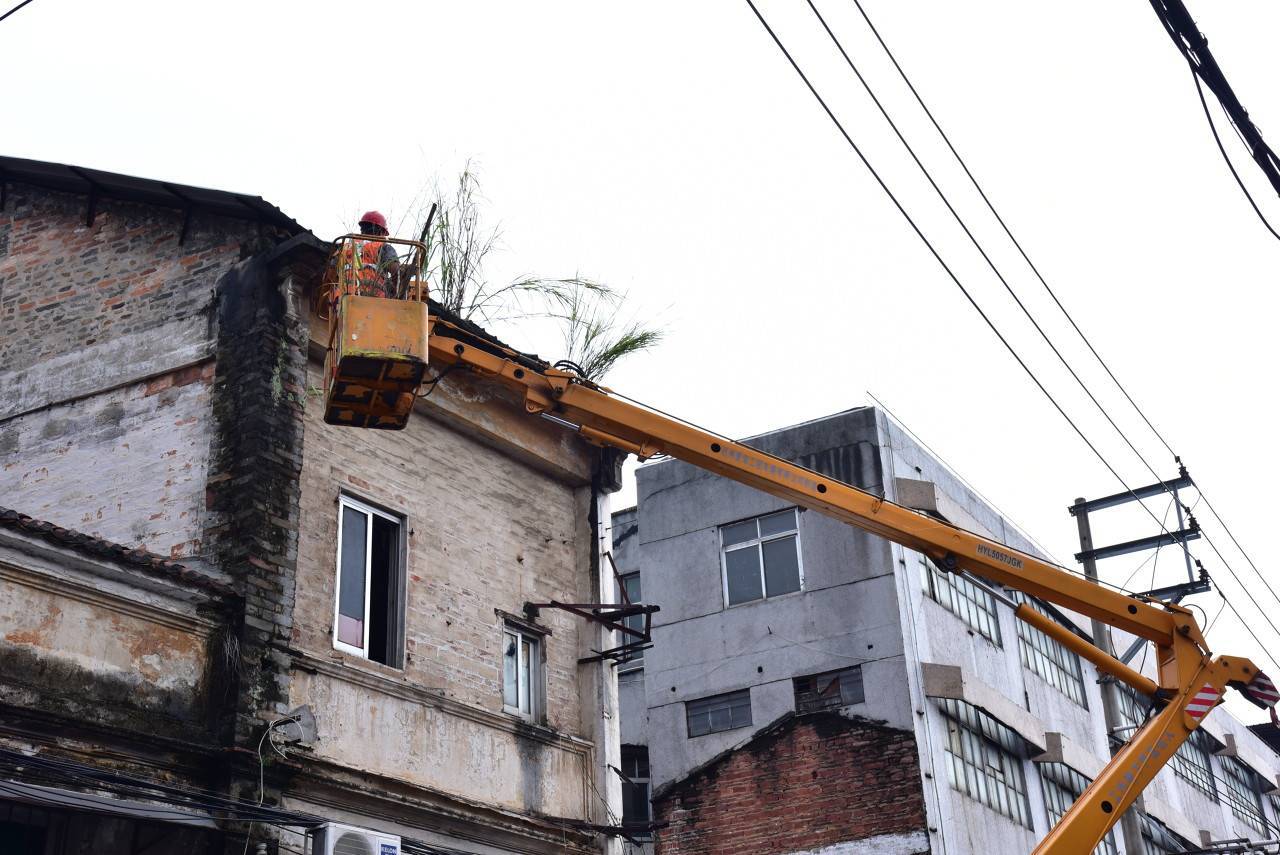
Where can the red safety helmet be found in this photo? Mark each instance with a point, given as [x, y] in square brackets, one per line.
[373, 218]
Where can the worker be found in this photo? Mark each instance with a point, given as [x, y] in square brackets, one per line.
[376, 265]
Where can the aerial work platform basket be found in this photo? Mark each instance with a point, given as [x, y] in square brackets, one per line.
[377, 312]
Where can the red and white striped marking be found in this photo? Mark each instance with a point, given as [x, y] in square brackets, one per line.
[1262, 691]
[1204, 700]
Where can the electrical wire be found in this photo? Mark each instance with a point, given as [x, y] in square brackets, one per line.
[14, 9]
[976, 244]
[946, 268]
[1035, 270]
[1003, 225]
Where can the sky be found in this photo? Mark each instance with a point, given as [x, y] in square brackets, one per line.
[667, 149]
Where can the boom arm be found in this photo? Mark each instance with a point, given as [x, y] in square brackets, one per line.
[1190, 681]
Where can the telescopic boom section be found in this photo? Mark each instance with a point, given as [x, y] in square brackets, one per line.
[1189, 683]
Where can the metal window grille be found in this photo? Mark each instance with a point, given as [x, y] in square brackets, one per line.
[832, 690]
[1157, 839]
[965, 600]
[1043, 655]
[1061, 786]
[1191, 763]
[1133, 709]
[985, 760]
[721, 712]
[1244, 792]
[761, 558]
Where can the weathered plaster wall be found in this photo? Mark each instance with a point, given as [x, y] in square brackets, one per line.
[96, 644]
[486, 532]
[127, 465]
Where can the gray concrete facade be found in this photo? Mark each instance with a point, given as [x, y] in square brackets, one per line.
[867, 602]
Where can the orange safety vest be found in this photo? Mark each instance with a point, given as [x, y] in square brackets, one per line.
[360, 268]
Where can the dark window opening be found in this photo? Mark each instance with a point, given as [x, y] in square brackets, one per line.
[635, 787]
[832, 690]
[369, 619]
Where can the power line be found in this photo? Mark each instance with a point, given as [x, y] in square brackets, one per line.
[14, 9]
[976, 244]
[990, 206]
[1003, 225]
[968, 296]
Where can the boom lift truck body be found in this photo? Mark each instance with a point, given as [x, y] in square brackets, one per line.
[363, 382]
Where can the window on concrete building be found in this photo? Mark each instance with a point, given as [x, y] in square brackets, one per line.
[1157, 839]
[1058, 666]
[761, 558]
[1243, 789]
[1061, 786]
[985, 760]
[635, 786]
[1191, 763]
[831, 690]
[369, 605]
[630, 583]
[721, 712]
[522, 690]
[962, 598]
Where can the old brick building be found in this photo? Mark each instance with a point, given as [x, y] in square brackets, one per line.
[206, 590]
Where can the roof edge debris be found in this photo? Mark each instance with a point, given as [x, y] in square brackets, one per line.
[101, 548]
[99, 184]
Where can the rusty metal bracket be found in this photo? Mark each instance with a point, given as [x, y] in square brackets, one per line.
[612, 616]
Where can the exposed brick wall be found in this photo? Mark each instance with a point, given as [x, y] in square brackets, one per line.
[127, 465]
[65, 285]
[804, 783]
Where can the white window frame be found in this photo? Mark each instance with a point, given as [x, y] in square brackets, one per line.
[636, 661]
[345, 501]
[536, 672]
[758, 544]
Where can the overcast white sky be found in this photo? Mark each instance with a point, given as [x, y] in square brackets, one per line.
[666, 148]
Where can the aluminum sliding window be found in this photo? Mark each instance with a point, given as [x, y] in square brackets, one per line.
[369, 599]
[522, 688]
[760, 558]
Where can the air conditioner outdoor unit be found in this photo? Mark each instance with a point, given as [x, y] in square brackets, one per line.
[333, 838]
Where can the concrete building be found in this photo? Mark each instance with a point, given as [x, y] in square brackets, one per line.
[224, 622]
[814, 688]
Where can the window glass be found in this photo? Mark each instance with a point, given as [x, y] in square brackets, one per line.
[715, 714]
[1061, 786]
[739, 532]
[1244, 792]
[781, 566]
[511, 670]
[635, 787]
[351, 577]
[631, 584]
[985, 760]
[1191, 763]
[1058, 666]
[521, 672]
[742, 572]
[369, 600]
[778, 523]
[761, 558]
[960, 596]
[831, 690]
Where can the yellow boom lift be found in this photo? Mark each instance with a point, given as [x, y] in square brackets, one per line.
[379, 352]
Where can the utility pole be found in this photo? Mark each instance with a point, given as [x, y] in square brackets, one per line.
[1130, 828]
